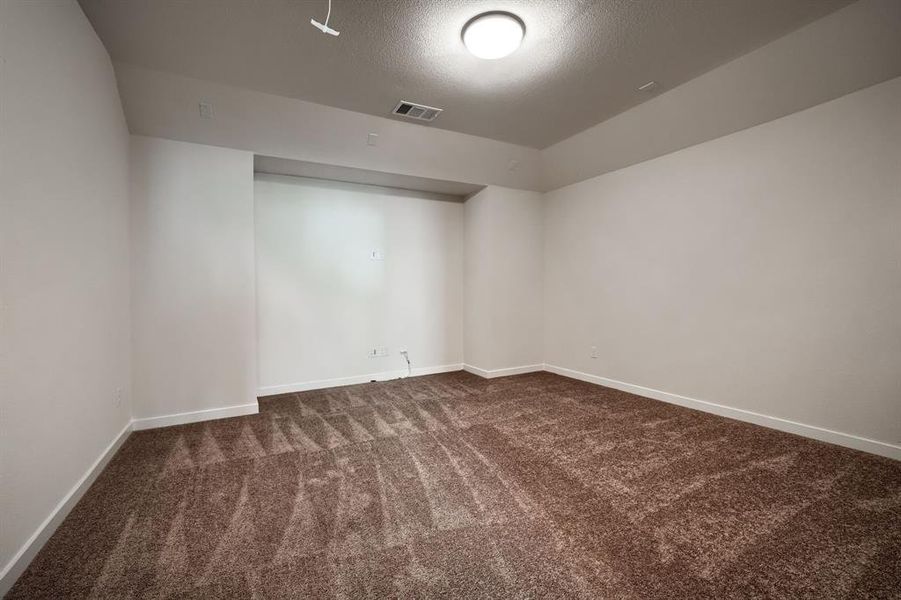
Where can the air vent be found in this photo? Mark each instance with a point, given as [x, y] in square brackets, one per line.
[419, 112]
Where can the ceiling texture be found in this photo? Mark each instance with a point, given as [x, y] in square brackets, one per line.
[581, 61]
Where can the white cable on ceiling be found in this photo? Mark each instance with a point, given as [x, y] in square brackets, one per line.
[323, 27]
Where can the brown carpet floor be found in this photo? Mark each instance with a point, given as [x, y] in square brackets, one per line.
[451, 486]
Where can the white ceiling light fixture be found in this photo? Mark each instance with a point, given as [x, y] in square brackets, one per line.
[493, 35]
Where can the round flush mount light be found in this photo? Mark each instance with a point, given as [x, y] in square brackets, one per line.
[493, 35]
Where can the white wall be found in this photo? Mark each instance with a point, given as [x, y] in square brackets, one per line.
[64, 313]
[192, 278]
[323, 303]
[760, 270]
[503, 271]
[845, 51]
[165, 105]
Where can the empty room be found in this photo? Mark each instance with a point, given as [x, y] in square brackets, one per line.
[513, 299]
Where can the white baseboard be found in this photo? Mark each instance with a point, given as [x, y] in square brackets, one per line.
[492, 373]
[811, 431]
[20, 561]
[196, 416]
[320, 384]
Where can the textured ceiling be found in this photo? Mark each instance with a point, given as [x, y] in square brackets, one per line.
[580, 63]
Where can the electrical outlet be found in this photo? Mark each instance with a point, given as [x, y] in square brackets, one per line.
[378, 352]
[118, 396]
[376, 255]
[594, 352]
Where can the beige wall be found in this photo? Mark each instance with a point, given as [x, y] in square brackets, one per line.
[193, 315]
[64, 315]
[323, 303]
[503, 280]
[761, 271]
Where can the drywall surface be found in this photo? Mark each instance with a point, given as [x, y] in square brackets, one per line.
[850, 49]
[64, 309]
[759, 271]
[503, 270]
[324, 303]
[193, 308]
[166, 105]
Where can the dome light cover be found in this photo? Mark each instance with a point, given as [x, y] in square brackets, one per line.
[493, 35]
